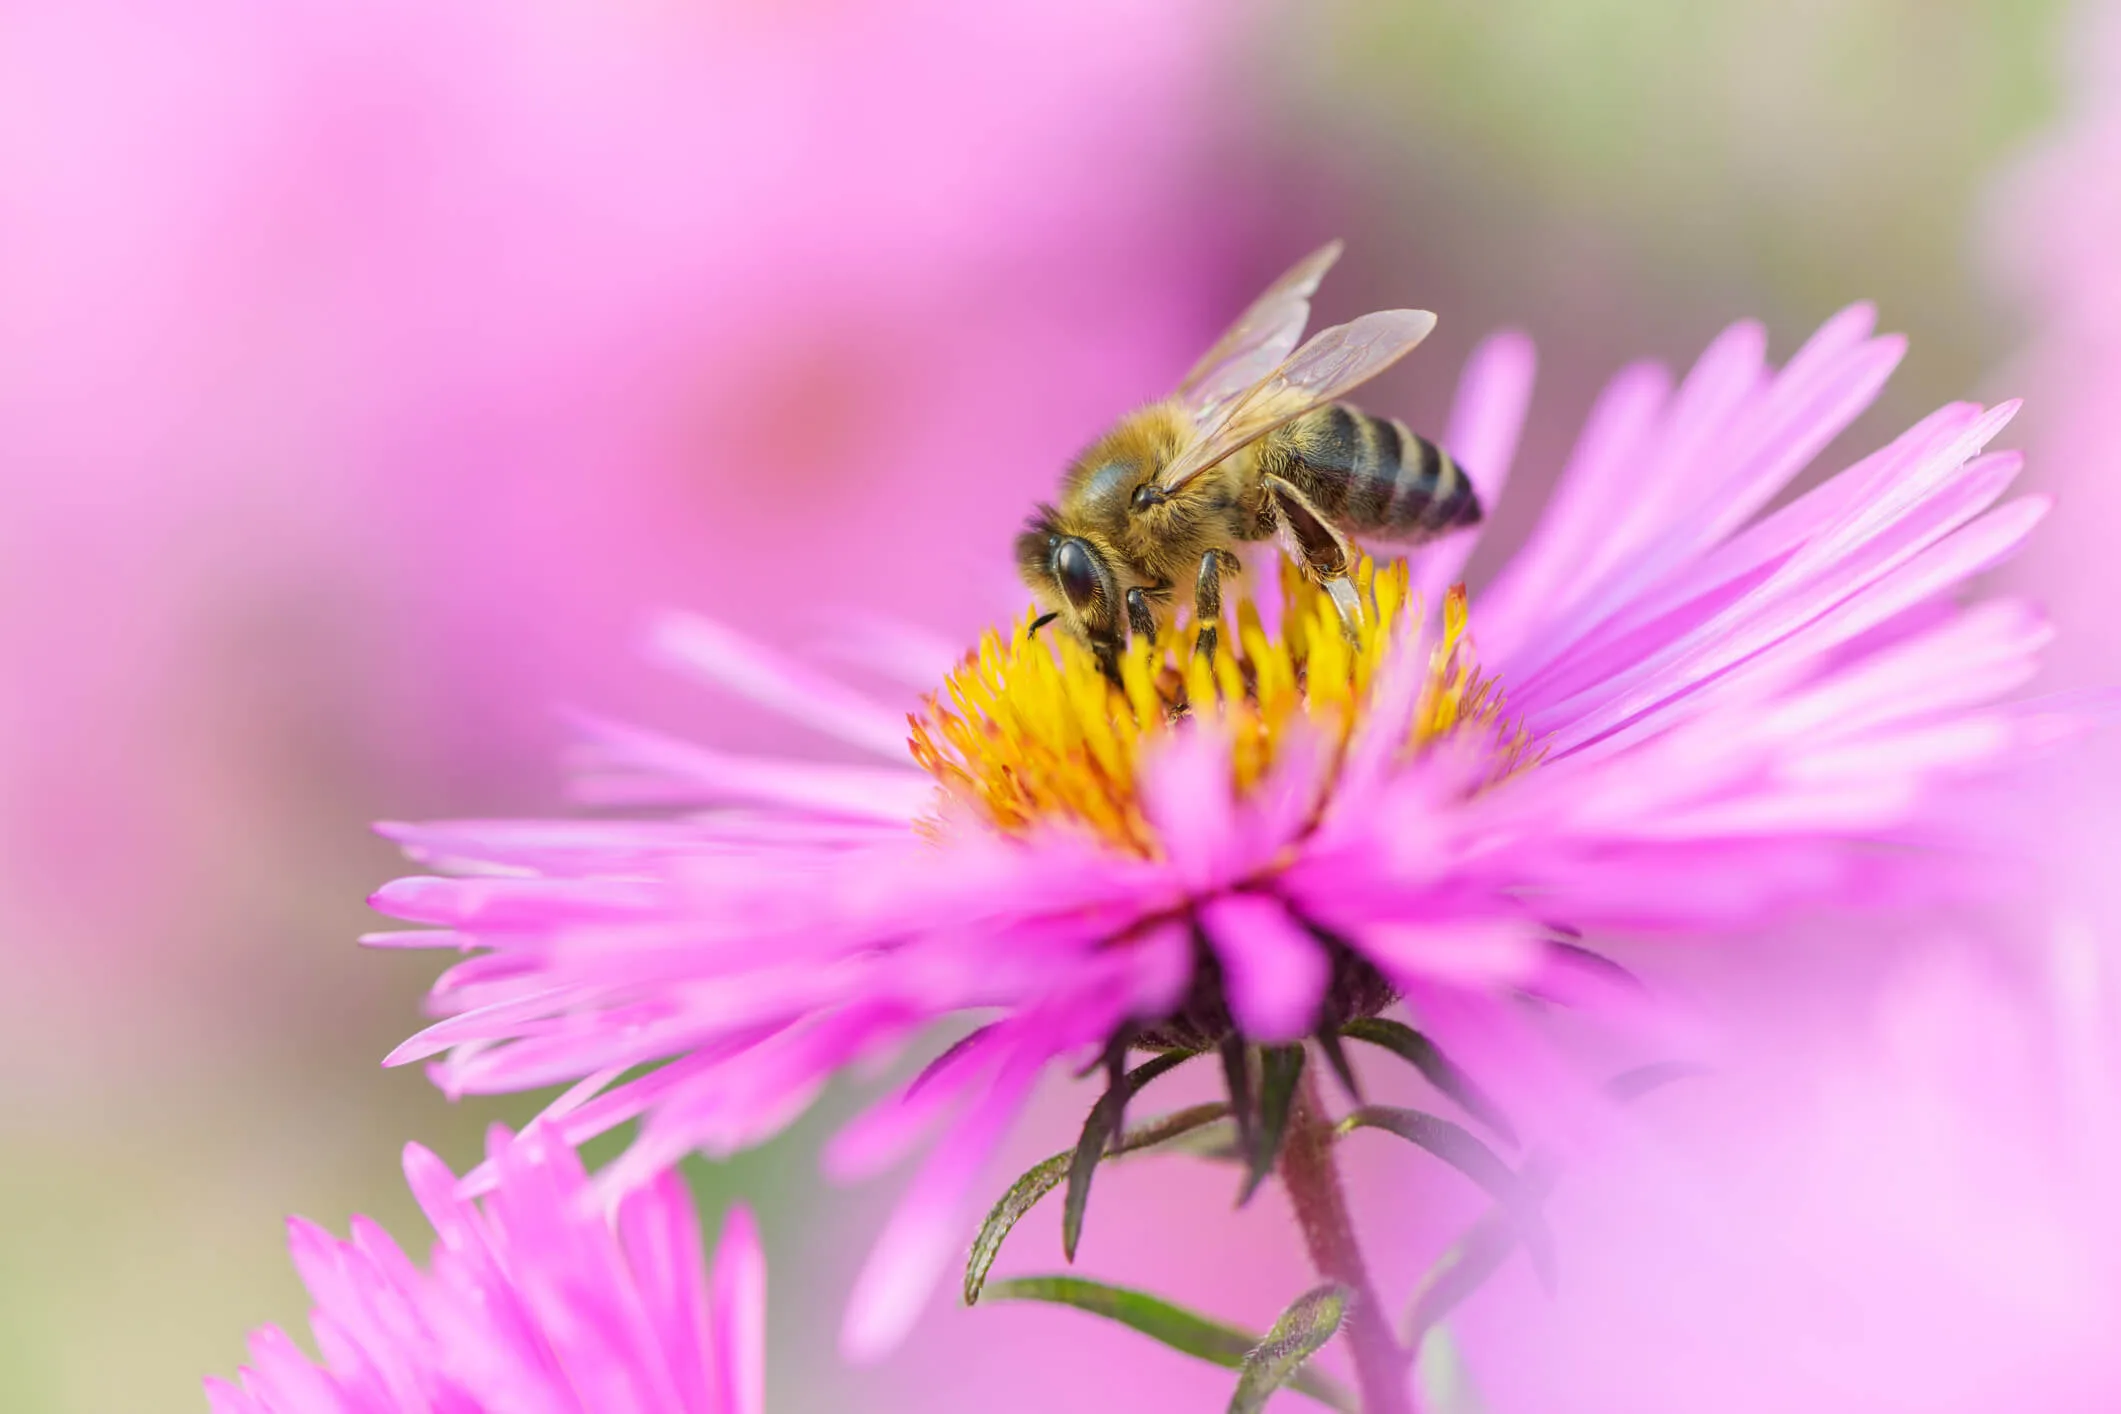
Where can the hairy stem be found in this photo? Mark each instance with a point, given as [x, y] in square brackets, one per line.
[1311, 1177]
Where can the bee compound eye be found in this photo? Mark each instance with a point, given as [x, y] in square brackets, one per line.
[1075, 570]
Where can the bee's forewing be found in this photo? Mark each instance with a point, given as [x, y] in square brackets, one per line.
[1263, 336]
[1324, 370]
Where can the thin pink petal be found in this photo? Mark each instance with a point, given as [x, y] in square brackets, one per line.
[1487, 417]
[1274, 973]
[714, 652]
[928, 1226]
[740, 1315]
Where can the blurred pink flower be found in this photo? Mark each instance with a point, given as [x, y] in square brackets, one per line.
[366, 368]
[1914, 1214]
[2056, 223]
[533, 1299]
[1723, 717]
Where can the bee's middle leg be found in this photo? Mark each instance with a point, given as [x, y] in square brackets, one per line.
[1316, 544]
[1208, 600]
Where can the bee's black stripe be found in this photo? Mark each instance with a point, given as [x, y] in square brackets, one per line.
[1331, 451]
[1454, 502]
[1372, 479]
[1433, 493]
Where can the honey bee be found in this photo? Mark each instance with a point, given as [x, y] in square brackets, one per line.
[1255, 444]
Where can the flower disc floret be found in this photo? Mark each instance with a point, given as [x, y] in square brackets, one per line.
[1029, 731]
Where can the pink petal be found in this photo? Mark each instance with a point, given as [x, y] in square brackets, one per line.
[1274, 973]
[715, 653]
[740, 1316]
[1487, 417]
[666, 769]
[1186, 795]
[928, 1226]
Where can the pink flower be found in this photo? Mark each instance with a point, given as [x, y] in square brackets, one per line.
[534, 1299]
[1681, 717]
[2057, 222]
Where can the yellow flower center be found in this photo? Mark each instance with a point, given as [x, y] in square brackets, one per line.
[1029, 731]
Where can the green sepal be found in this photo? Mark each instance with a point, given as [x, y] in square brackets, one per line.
[1237, 1080]
[1423, 1054]
[1463, 1150]
[1337, 1057]
[952, 1054]
[1042, 1178]
[1023, 1195]
[1302, 1331]
[1104, 1118]
[1187, 1332]
[1280, 1068]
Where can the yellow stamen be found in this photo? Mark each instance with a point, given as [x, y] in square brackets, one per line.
[1028, 730]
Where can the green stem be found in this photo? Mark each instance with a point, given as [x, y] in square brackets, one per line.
[1311, 1177]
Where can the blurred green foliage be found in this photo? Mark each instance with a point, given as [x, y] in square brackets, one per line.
[1778, 157]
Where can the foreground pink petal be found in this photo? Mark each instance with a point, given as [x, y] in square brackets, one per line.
[534, 1299]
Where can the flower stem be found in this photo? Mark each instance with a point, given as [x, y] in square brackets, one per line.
[1311, 1177]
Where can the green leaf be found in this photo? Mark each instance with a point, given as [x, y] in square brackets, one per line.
[1280, 1068]
[1463, 1150]
[1420, 1052]
[1445, 1381]
[1302, 1332]
[1098, 1126]
[1042, 1178]
[1185, 1331]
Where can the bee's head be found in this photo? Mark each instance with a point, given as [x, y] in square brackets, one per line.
[1070, 576]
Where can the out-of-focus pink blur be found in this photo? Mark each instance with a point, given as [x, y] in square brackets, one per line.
[2053, 229]
[1913, 1212]
[368, 371]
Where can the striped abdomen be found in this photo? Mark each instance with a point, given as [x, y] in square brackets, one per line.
[1374, 477]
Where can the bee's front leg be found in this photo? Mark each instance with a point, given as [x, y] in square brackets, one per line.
[1141, 622]
[1316, 544]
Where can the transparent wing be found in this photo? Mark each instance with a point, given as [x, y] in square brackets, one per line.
[1324, 370]
[1263, 336]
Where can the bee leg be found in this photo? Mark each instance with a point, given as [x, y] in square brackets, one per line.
[1140, 622]
[1208, 603]
[1320, 548]
[1106, 651]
